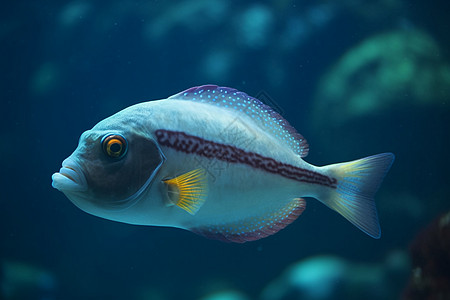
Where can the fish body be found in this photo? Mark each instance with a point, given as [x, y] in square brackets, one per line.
[214, 161]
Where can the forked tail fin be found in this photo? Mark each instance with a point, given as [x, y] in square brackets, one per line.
[358, 181]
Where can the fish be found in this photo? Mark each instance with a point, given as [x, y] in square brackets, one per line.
[215, 161]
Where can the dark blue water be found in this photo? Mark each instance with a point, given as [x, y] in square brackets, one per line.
[355, 78]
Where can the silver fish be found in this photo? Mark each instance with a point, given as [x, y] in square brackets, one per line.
[214, 161]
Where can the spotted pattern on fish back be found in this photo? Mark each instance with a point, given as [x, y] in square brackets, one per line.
[263, 116]
[190, 144]
[255, 228]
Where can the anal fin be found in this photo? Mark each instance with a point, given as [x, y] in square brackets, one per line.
[188, 191]
[254, 228]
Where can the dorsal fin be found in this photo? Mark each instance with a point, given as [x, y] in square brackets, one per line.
[264, 116]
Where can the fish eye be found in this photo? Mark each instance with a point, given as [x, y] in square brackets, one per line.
[114, 145]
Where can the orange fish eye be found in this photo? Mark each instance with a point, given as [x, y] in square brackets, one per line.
[114, 145]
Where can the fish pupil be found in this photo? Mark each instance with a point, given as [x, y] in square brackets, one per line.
[115, 148]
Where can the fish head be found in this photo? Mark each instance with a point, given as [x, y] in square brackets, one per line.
[110, 169]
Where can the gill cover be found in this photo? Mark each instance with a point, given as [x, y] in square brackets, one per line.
[118, 166]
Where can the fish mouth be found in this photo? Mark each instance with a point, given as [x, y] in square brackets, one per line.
[70, 178]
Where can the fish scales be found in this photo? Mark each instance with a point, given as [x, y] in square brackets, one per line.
[214, 161]
[194, 145]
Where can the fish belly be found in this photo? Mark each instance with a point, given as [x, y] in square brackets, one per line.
[236, 191]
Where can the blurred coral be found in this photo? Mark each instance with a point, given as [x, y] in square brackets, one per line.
[401, 68]
[20, 280]
[430, 253]
[331, 277]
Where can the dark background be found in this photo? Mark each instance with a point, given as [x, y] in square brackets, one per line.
[67, 65]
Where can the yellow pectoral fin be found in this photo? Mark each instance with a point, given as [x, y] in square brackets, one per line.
[188, 191]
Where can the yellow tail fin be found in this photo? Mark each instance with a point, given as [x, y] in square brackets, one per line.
[358, 181]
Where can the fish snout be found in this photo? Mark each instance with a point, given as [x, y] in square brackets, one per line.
[70, 177]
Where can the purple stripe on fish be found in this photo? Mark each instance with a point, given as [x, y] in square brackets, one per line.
[186, 143]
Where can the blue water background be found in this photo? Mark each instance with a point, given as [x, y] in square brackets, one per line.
[67, 65]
